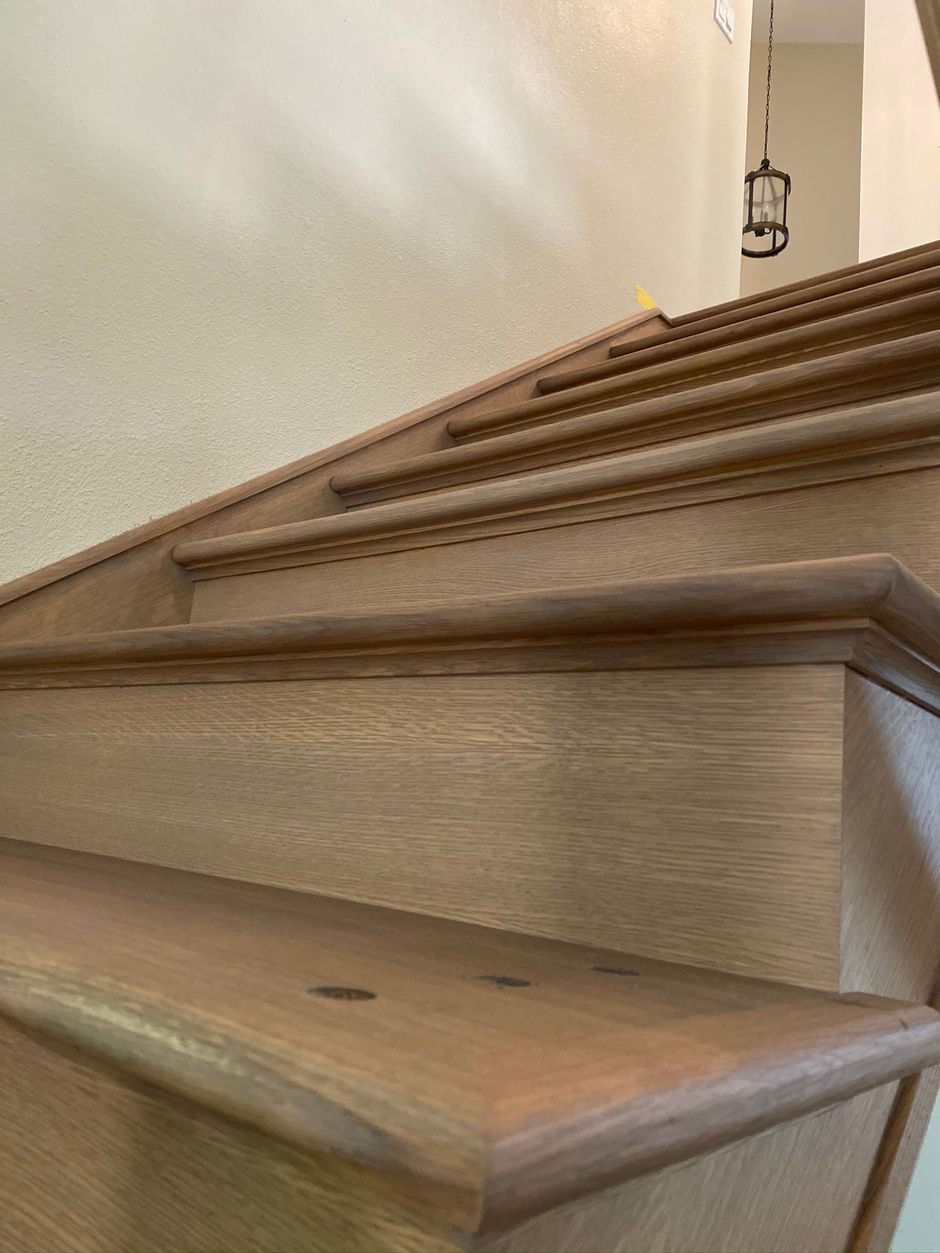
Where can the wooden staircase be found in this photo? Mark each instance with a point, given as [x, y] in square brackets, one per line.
[517, 829]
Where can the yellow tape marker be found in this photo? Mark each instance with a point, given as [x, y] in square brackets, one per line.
[644, 299]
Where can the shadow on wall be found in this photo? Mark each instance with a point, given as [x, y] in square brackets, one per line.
[239, 232]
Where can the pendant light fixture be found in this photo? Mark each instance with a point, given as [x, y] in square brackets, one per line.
[766, 190]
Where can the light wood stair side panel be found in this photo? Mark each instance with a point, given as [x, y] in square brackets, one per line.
[890, 513]
[794, 1189]
[829, 320]
[563, 818]
[891, 845]
[131, 581]
[91, 1160]
[891, 906]
[889, 327]
[806, 288]
[895, 1162]
[844, 379]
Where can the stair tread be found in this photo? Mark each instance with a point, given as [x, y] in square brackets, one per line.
[867, 611]
[902, 321]
[857, 275]
[870, 304]
[451, 1071]
[791, 389]
[551, 496]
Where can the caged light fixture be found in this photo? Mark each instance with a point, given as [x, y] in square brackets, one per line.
[766, 190]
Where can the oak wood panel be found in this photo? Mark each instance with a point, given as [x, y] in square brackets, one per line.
[700, 336]
[891, 853]
[861, 272]
[868, 611]
[847, 378]
[850, 442]
[890, 281]
[893, 513]
[855, 642]
[90, 1160]
[884, 325]
[891, 905]
[873, 586]
[894, 1165]
[131, 580]
[539, 802]
[482, 1091]
[794, 1190]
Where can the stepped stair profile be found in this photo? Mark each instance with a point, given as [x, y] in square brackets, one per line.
[517, 828]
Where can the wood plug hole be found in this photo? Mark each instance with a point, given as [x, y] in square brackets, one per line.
[342, 994]
[504, 981]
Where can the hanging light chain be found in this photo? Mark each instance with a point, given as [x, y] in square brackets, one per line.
[770, 61]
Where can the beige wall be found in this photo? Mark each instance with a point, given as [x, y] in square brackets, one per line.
[239, 230]
[815, 135]
[900, 185]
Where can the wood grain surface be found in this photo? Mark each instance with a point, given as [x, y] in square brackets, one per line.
[547, 803]
[844, 378]
[816, 448]
[894, 1164]
[92, 1160]
[462, 1062]
[808, 288]
[891, 834]
[677, 532]
[749, 361]
[700, 336]
[798, 345]
[868, 611]
[794, 1190]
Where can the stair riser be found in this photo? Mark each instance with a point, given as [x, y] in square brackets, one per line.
[802, 344]
[577, 806]
[566, 805]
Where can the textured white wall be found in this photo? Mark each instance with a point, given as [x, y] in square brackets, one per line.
[816, 136]
[900, 184]
[236, 231]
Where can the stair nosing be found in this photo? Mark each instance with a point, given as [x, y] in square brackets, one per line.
[656, 416]
[776, 345]
[548, 496]
[805, 318]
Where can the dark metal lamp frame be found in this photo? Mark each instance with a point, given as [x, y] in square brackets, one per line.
[779, 230]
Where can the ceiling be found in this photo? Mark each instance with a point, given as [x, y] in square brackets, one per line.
[811, 21]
